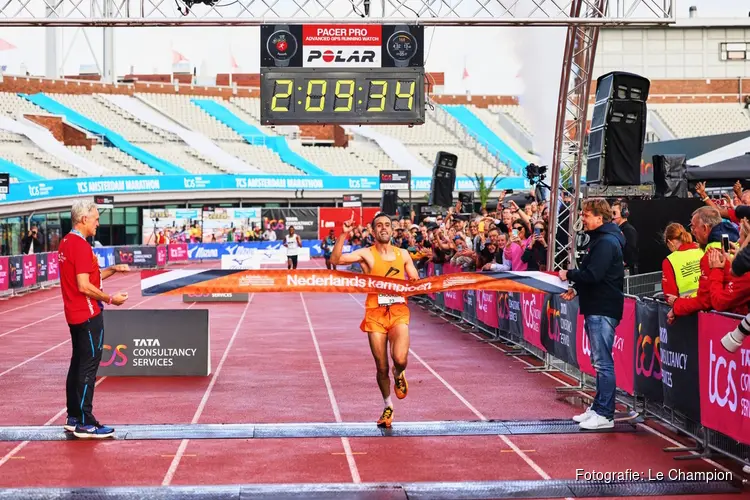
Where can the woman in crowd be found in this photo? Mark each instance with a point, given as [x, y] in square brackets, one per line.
[535, 255]
[681, 269]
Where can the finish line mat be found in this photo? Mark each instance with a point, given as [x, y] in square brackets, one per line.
[314, 430]
[556, 488]
[208, 281]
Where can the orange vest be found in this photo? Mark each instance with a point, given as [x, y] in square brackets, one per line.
[386, 269]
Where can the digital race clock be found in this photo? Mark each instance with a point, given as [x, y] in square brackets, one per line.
[298, 96]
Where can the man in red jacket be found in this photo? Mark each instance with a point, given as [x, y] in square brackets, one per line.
[707, 228]
[727, 294]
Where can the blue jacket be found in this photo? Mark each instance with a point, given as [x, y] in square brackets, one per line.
[600, 279]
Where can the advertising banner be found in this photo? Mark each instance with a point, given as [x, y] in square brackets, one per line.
[105, 256]
[41, 267]
[453, 299]
[178, 252]
[136, 256]
[647, 352]
[229, 225]
[515, 315]
[559, 327]
[178, 225]
[583, 348]
[531, 318]
[724, 379]
[53, 266]
[334, 218]
[29, 270]
[279, 220]
[623, 350]
[469, 311]
[679, 363]
[4, 274]
[486, 308]
[161, 255]
[152, 343]
[503, 312]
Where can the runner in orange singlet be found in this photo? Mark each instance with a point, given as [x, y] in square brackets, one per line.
[386, 316]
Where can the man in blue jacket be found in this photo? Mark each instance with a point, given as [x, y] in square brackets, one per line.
[599, 285]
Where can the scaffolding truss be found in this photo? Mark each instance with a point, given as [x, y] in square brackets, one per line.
[103, 13]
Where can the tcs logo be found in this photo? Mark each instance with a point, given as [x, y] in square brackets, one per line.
[647, 356]
[717, 366]
[117, 357]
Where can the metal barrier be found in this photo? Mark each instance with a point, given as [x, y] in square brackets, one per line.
[707, 441]
[643, 285]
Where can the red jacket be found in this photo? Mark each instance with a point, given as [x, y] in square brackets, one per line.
[668, 280]
[729, 293]
[685, 306]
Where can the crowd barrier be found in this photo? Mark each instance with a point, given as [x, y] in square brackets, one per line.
[20, 274]
[680, 370]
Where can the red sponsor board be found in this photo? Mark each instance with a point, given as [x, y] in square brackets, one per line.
[4, 276]
[351, 34]
[29, 270]
[178, 252]
[334, 218]
[623, 349]
[455, 298]
[487, 307]
[724, 379]
[531, 315]
[53, 266]
[161, 255]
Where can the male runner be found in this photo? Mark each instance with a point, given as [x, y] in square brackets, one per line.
[386, 316]
[293, 243]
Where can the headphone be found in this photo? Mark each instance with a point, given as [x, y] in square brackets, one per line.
[624, 211]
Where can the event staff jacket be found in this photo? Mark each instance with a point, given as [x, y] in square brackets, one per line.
[729, 293]
[681, 271]
[684, 306]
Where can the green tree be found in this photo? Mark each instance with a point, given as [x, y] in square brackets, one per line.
[484, 188]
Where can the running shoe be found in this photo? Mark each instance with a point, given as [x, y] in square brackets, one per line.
[70, 424]
[386, 418]
[94, 431]
[400, 386]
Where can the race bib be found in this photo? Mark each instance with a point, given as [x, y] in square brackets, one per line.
[387, 300]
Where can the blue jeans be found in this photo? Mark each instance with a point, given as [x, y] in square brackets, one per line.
[601, 333]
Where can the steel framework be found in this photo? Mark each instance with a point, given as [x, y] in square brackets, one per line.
[256, 12]
[583, 19]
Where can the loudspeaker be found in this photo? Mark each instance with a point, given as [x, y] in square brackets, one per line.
[389, 202]
[443, 179]
[618, 130]
[670, 176]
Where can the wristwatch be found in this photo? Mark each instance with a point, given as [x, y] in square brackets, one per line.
[401, 46]
[281, 45]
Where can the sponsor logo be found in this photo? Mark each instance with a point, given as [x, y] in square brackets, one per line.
[531, 315]
[118, 356]
[721, 371]
[342, 56]
[647, 355]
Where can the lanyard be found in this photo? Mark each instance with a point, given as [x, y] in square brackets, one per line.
[77, 232]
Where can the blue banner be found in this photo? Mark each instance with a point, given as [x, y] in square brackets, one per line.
[208, 251]
[60, 188]
[106, 256]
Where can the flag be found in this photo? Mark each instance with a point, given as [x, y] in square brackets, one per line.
[466, 73]
[177, 57]
[5, 45]
[233, 62]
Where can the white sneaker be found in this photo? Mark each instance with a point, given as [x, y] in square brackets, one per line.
[596, 422]
[584, 416]
[731, 343]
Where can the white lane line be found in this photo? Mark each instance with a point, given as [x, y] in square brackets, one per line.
[336, 412]
[530, 462]
[169, 476]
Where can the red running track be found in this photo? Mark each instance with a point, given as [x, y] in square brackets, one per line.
[291, 358]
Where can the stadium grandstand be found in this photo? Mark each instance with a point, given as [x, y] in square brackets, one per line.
[232, 364]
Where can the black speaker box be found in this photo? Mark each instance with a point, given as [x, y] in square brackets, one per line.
[670, 176]
[618, 130]
[389, 202]
[443, 180]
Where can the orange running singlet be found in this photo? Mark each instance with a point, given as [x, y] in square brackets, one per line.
[386, 269]
[383, 311]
